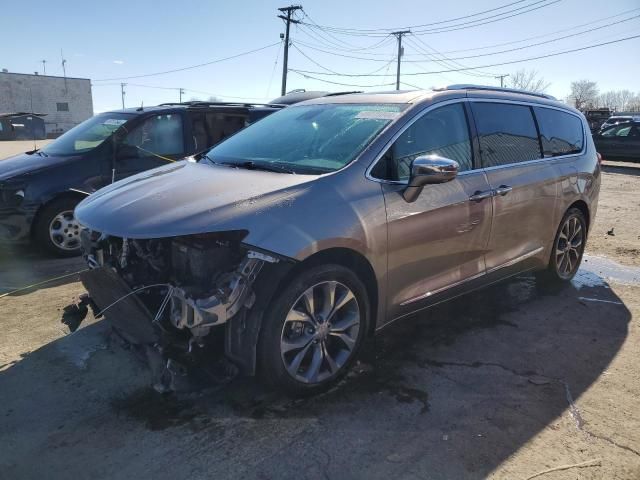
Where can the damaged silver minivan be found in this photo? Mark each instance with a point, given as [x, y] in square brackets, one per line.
[296, 238]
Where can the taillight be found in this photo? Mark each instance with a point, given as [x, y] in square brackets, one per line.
[599, 158]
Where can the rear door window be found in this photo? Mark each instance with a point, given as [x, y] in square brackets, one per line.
[561, 133]
[443, 131]
[507, 133]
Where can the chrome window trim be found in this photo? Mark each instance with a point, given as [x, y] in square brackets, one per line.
[417, 117]
[426, 110]
[539, 105]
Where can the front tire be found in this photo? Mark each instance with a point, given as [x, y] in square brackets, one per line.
[568, 248]
[313, 330]
[56, 230]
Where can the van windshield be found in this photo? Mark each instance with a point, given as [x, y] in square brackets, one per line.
[88, 135]
[312, 139]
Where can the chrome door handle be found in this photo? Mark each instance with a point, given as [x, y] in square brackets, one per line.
[502, 190]
[479, 196]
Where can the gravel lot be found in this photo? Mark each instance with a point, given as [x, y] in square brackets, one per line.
[503, 384]
[8, 149]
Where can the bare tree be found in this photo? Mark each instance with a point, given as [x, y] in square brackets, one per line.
[624, 98]
[528, 80]
[618, 100]
[608, 100]
[634, 104]
[584, 94]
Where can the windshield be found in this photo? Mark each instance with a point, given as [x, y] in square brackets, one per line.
[311, 139]
[88, 135]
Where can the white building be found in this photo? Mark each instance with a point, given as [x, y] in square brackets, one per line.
[66, 101]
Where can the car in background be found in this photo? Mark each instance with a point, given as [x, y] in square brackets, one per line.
[617, 119]
[40, 189]
[306, 232]
[621, 141]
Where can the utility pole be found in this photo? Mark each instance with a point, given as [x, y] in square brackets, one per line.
[181, 93]
[44, 67]
[399, 35]
[122, 85]
[289, 11]
[502, 77]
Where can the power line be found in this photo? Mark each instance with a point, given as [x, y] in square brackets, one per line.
[427, 24]
[178, 89]
[489, 65]
[546, 41]
[336, 42]
[453, 59]
[374, 54]
[190, 66]
[470, 49]
[533, 6]
[273, 71]
[339, 83]
[333, 71]
[445, 61]
[467, 25]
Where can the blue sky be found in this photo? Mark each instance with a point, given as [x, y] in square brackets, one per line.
[103, 40]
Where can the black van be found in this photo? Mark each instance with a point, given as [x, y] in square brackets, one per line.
[40, 189]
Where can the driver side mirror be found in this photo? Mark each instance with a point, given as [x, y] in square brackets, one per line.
[427, 170]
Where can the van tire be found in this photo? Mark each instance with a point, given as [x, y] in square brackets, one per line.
[336, 357]
[567, 249]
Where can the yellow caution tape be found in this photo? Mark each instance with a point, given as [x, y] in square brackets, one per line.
[28, 287]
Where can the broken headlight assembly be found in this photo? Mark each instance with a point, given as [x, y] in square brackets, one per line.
[181, 287]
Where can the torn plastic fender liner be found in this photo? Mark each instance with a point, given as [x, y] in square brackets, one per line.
[241, 337]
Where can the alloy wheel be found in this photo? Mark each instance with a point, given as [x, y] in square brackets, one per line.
[569, 247]
[64, 231]
[320, 332]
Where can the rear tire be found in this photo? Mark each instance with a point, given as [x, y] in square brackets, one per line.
[56, 229]
[313, 330]
[568, 248]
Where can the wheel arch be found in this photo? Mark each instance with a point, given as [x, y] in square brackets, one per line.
[242, 336]
[71, 193]
[356, 262]
[584, 208]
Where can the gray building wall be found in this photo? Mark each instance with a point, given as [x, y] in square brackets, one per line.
[17, 91]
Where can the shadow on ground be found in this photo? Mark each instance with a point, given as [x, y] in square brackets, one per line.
[24, 266]
[448, 394]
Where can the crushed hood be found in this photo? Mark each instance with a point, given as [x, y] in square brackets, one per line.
[186, 198]
[25, 163]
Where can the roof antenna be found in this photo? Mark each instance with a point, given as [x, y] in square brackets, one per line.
[141, 106]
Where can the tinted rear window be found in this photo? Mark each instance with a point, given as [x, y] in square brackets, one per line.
[507, 133]
[561, 132]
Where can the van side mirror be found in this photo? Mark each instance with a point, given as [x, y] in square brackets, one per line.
[427, 170]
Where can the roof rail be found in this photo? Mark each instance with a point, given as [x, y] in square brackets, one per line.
[335, 94]
[470, 86]
[196, 103]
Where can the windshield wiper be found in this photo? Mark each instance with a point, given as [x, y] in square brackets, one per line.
[268, 167]
[211, 160]
[251, 165]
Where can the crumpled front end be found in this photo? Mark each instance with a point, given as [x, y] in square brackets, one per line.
[182, 296]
